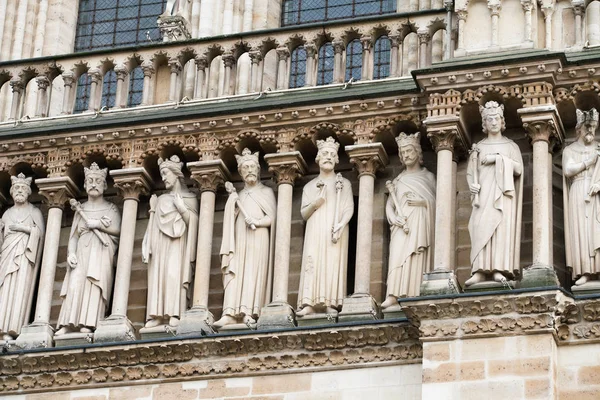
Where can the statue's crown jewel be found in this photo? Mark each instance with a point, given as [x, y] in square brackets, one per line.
[20, 179]
[328, 143]
[94, 169]
[586, 116]
[247, 155]
[491, 108]
[408, 140]
[172, 162]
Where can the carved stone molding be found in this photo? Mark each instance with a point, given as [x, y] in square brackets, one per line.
[286, 167]
[208, 358]
[367, 158]
[579, 322]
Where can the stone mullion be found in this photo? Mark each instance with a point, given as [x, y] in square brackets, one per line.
[148, 70]
[42, 96]
[17, 98]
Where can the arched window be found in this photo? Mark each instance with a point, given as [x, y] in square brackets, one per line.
[298, 67]
[325, 65]
[83, 93]
[381, 58]
[297, 12]
[354, 60]
[103, 24]
[109, 89]
[136, 87]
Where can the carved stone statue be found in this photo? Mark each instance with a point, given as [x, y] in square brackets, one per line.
[494, 177]
[410, 211]
[581, 199]
[169, 246]
[90, 257]
[327, 207]
[248, 245]
[22, 228]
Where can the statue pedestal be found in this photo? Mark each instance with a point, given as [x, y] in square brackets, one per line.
[237, 328]
[439, 283]
[317, 319]
[538, 275]
[158, 332]
[591, 287]
[73, 339]
[359, 308]
[35, 337]
[393, 312]
[489, 286]
[114, 329]
[196, 322]
[276, 316]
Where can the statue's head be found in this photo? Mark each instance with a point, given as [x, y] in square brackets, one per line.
[248, 166]
[95, 180]
[170, 171]
[409, 149]
[327, 154]
[587, 123]
[492, 117]
[20, 188]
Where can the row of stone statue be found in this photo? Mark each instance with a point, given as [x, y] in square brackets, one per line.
[494, 175]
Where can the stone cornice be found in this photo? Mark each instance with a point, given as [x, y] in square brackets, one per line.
[208, 358]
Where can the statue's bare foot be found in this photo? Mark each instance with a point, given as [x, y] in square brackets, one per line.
[154, 322]
[62, 331]
[389, 302]
[85, 330]
[583, 279]
[331, 310]
[498, 277]
[6, 337]
[476, 278]
[248, 320]
[305, 311]
[225, 320]
[174, 321]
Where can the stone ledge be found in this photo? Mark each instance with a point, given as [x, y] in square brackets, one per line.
[218, 356]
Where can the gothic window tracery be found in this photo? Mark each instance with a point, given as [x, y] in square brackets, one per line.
[296, 12]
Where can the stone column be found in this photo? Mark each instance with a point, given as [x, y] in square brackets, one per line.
[367, 159]
[311, 64]
[56, 191]
[367, 60]
[228, 62]
[286, 168]
[283, 56]
[462, 18]
[541, 123]
[131, 183]
[495, 8]
[449, 6]
[121, 93]
[578, 10]
[41, 105]
[527, 7]
[424, 38]
[443, 133]
[208, 175]
[175, 66]
[395, 56]
[201, 64]
[96, 78]
[17, 98]
[338, 65]
[148, 70]
[68, 79]
[547, 11]
[255, 59]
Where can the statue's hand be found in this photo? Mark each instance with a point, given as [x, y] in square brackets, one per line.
[19, 228]
[93, 223]
[234, 196]
[415, 200]
[474, 188]
[179, 203]
[153, 201]
[72, 260]
[591, 161]
[489, 159]
[145, 256]
[251, 221]
[399, 221]
[594, 189]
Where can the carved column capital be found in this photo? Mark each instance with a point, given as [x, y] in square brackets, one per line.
[443, 139]
[311, 49]
[527, 5]
[132, 182]
[17, 86]
[540, 130]
[542, 123]
[175, 65]
[338, 46]
[495, 7]
[57, 191]
[395, 40]
[462, 15]
[367, 42]
[367, 158]
[148, 69]
[68, 78]
[424, 36]
[228, 59]
[578, 8]
[209, 174]
[547, 11]
[283, 53]
[201, 63]
[95, 75]
[43, 82]
[255, 56]
[286, 167]
[121, 71]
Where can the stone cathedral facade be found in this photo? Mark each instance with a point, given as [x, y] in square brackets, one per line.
[142, 141]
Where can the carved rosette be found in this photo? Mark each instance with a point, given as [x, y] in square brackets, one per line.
[443, 139]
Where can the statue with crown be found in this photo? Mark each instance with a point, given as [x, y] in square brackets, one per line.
[91, 255]
[494, 175]
[169, 249]
[21, 242]
[581, 183]
[327, 207]
[410, 211]
[248, 246]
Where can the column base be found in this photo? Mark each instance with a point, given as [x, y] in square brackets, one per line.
[317, 319]
[489, 286]
[158, 332]
[276, 316]
[114, 329]
[360, 307]
[591, 287]
[439, 283]
[196, 322]
[35, 336]
[538, 275]
[393, 312]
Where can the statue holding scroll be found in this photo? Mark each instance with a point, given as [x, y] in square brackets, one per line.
[582, 200]
[494, 177]
[410, 211]
[327, 207]
[22, 227]
[169, 246]
[90, 257]
[248, 245]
